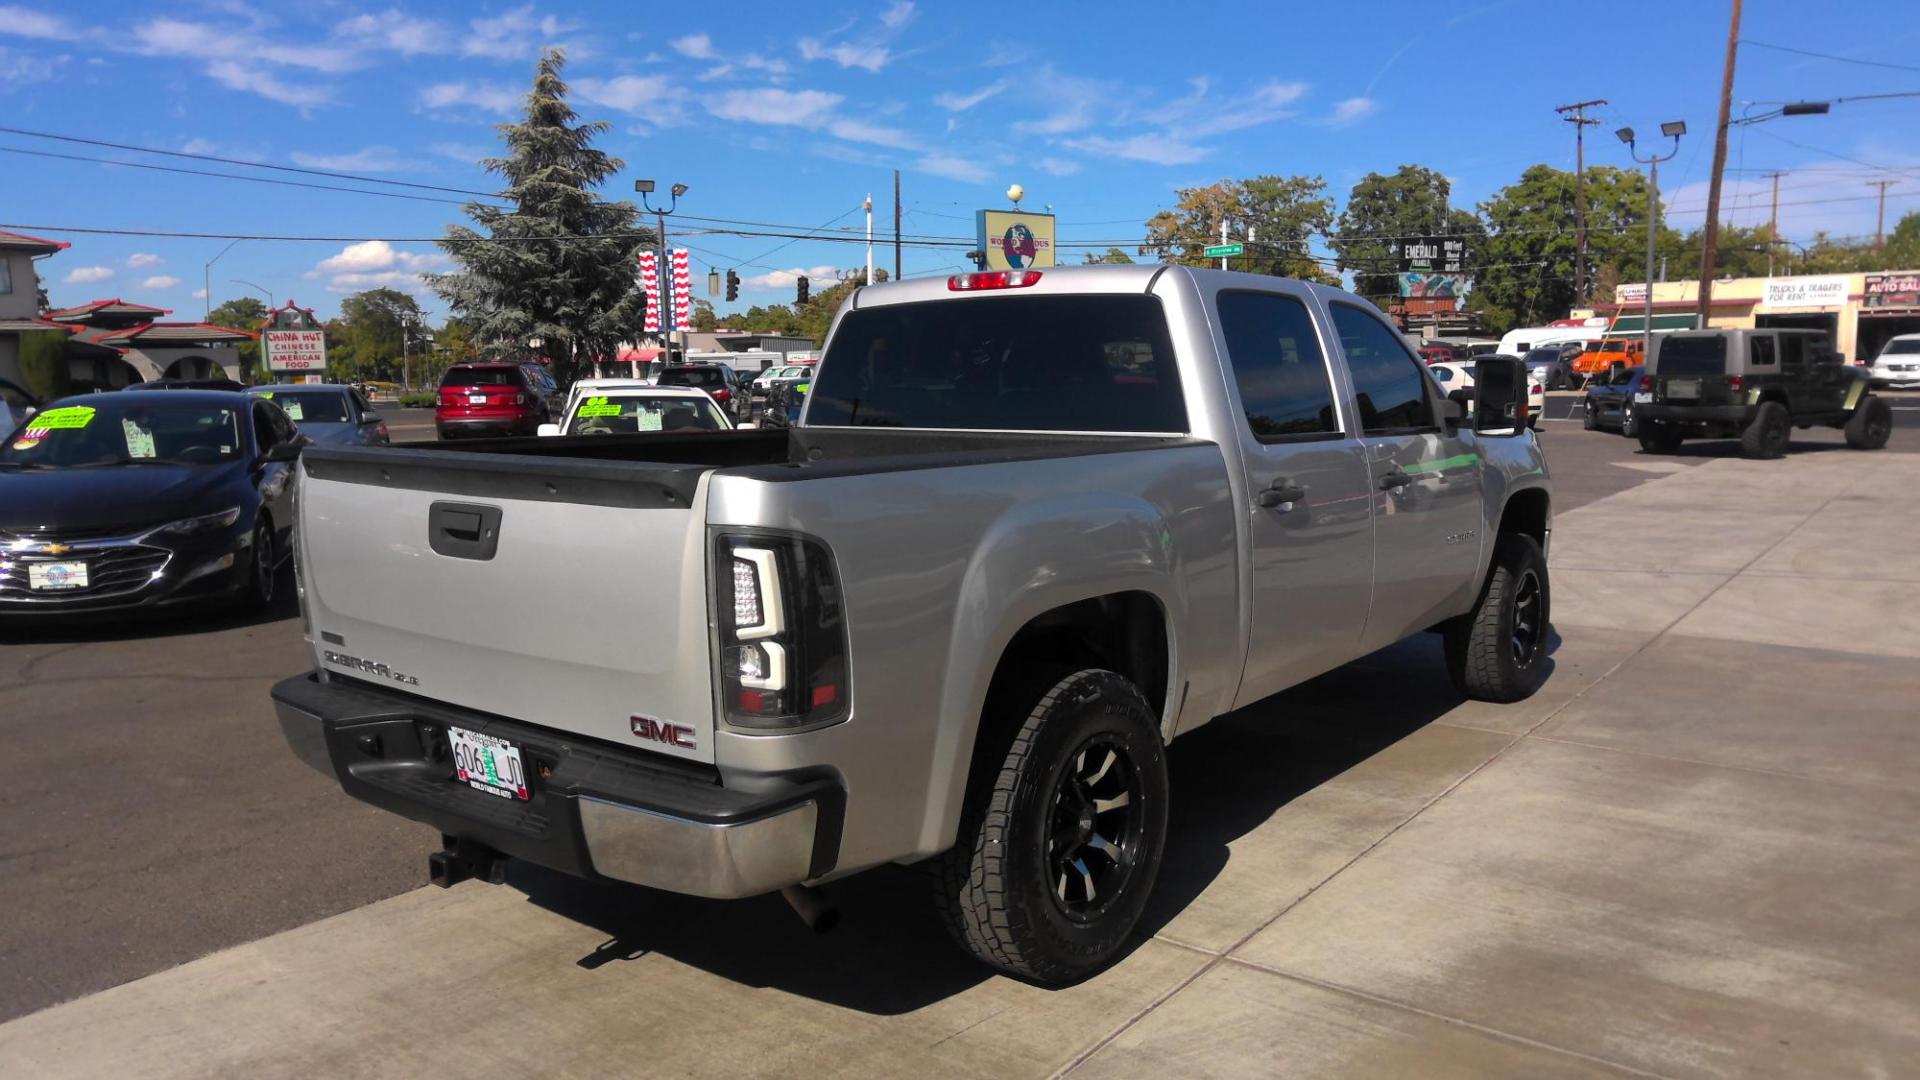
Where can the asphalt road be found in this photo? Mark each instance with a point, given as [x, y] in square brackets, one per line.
[152, 814]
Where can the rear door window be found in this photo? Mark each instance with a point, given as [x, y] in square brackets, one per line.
[1285, 389]
[1388, 383]
[1760, 352]
[1793, 351]
[1693, 356]
[1014, 363]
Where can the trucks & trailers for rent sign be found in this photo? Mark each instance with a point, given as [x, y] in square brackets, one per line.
[295, 350]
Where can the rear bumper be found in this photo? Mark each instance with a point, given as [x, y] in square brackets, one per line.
[595, 811]
[1716, 415]
[455, 426]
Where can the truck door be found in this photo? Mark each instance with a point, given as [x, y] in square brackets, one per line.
[1426, 489]
[1307, 486]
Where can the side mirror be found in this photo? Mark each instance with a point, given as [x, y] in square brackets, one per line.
[286, 451]
[371, 417]
[548, 429]
[1500, 397]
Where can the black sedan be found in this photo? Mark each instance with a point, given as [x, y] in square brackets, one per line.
[131, 500]
[328, 413]
[1610, 399]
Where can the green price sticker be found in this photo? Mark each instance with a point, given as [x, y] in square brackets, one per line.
[73, 416]
[803, 388]
[598, 406]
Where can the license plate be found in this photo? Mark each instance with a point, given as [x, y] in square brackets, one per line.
[1683, 388]
[476, 399]
[53, 576]
[1642, 397]
[488, 764]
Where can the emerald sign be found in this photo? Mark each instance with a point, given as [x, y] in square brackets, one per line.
[1222, 251]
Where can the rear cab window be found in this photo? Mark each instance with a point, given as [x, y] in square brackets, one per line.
[1009, 363]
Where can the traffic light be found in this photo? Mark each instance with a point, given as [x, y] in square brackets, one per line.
[800, 293]
[733, 285]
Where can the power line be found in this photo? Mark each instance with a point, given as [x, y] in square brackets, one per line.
[226, 176]
[241, 162]
[1837, 157]
[1827, 56]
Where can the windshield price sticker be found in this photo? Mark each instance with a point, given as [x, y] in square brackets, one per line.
[599, 406]
[292, 409]
[139, 440]
[73, 416]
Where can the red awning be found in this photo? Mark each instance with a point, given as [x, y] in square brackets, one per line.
[642, 355]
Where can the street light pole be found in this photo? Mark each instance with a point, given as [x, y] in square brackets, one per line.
[868, 207]
[665, 273]
[1675, 129]
[256, 288]
[206, 281]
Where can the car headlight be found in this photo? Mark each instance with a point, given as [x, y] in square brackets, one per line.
[204, 523]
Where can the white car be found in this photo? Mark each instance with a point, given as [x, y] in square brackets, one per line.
[629, 410]
[1898, 365]
[1453, 377]
[586, 387]
[765, 380]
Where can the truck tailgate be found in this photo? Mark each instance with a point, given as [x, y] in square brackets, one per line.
[582, 606]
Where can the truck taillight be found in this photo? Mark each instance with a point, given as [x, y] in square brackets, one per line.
[782, 639]
[1735, 383]
[996, 279]
[721, 396]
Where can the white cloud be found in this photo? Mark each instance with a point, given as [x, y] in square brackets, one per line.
[1075, 102]
[698, 46]
[1054, 166]
[87, 275]
[965, 170]
[199, 294]
[1353, 110]
[897, 14]
[397, 31]
[1200, 114]
[628, 93]
[178, 37]
[370, 159]
[141, 259]
[238, 76]
[370, 255]
[769, 105]
[471, 153]
[491, 97]
[963, 102]
[513, 34]
[1156, 149]
[20, 68]
[869, 55]
[160, 281]
[775, 279]
[861, 131]
[198, 146]
[20, 22]
[404, 280]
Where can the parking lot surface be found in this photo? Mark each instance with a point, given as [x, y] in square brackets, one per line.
[1691, 854]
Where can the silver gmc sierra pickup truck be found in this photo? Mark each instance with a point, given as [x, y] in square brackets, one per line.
[1033, 526]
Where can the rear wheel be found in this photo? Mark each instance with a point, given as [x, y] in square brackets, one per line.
[1870, 425]
[1628, 426]
[1498, 651]
[1061, 837]
[262, 578]
[1658, 438]
[1767, 434]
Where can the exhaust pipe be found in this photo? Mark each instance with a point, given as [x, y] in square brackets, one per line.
[812, 906]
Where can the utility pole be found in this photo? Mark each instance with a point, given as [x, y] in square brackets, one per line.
[896, 224]
[1712, 229]
[1773, 218]
[1223, 239]
[1880, 223]
[868, 207]
[1580, 122]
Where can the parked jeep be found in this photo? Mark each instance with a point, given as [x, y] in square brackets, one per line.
[1757, 386]
[1031, 526]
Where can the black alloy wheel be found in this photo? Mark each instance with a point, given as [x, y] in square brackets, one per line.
[1528, 628]
[1590, 417]
[1095, 829]
[264, 572]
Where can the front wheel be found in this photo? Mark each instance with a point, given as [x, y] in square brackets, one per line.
[1061, 837]
[1628, 426]
[1498, 651]
[1871, 424]
[264, 572]
[1588, 419]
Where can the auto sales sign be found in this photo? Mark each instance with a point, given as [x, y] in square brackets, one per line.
[295, 350]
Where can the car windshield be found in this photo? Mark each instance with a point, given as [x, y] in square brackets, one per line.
[1905, 345]
[311, 407]
[156, 429]
[626, 415]
[1544, 356]
[1018, 363]
[479, 376]
[701, 377]
[1693, 356]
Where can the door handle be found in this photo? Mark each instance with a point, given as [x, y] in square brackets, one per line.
[1395, 479]
[1282, 493]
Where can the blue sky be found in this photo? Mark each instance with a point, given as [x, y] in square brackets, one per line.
[783, 112]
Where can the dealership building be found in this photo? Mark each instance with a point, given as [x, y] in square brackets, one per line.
[1860, 311]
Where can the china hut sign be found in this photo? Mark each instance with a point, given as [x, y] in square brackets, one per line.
[293, 340]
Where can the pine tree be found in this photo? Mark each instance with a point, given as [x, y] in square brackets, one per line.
[553, 273]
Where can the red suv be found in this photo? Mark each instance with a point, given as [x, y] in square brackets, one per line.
[494, 399]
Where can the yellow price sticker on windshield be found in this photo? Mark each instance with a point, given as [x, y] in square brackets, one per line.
[598, 406]
[73, 416]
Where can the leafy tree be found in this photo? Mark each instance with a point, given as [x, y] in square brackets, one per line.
[560, 269]
[1523, 268]
[243, 313]
[1284, 212]
[1903, 243]
[1381, 212]
[1114, 255]
[703, 317]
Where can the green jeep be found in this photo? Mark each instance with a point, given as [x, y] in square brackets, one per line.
[1756, 385]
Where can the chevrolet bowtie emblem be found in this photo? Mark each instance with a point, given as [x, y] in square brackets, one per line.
[56, 549]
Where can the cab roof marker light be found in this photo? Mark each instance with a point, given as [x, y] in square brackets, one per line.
[996, 279]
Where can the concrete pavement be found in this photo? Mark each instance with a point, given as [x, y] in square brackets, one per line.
[1691, 854]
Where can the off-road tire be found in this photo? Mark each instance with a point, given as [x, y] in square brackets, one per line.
[1658, 438]
[1870, 425]
[1587, 419]
[993, 889]
[1480, 645]
[1768, 434]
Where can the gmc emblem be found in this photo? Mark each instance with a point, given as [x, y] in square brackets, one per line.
[675, 735]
